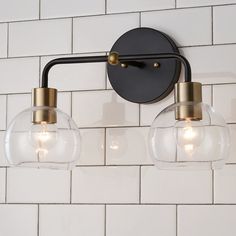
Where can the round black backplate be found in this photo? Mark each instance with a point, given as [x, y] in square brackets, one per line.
[147, 84]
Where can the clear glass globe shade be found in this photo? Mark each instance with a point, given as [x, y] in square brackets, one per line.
[189, 135]
[43, 133]
[42, 145]
[189, 144]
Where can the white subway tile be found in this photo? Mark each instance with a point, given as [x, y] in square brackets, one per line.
[105, 185]
[127, 146]
[14, 10]
[64, 102]
[212, 64]
[66, 8]
[73, 220]
[225, 105]
[207, 94]
[46, 37]
[18, 220]
[3, 107]
[141, 220]
[99, 33]
[194, 3]
[2, 184]
[20, 75]
[103, 109]
[138, 5]
[232, 152]
[224, 19]
[148, 112]
[206, 220]
[3, 161]
[92, 149]
[108, 83]
[16, 103]
[85, 76]
[160, 186]
[38, 186]
[173, 23]
[225, 189]
[3, 39]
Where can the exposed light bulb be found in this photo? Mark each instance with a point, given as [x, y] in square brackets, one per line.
[189, 135]
[43, 137]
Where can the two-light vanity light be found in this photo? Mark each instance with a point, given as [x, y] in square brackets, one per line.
[143, 67]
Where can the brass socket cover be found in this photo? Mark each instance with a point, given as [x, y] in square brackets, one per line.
[44, 97]
[188, 92]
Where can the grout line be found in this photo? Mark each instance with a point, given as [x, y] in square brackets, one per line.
[8, 37]
[40, 61]
[213, 186]
[6, 182]
[212, 95]
[72, 35]
[118, 13]
[176, 216]
[105, 147]
[114, 165]
[38, 221]
[217, 84]
[139, 115]
[120, 204]
[140, 19]
[105, 7]
[9, 94]
[6, 117]
[207, 45]
[212, 28]
[106, 78]
[210, 5]
[71, 107]
[53, 18]
[39, 9]
[117, 127]
[140, 184]
[124, 165]
[71, 186]
[175, 4]
[105, 220]
[71, 103]
[58, 55]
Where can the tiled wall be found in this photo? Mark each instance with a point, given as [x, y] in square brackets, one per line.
[114, 192]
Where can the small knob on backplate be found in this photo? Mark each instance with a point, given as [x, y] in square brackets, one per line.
[156, 64]
[113, 58]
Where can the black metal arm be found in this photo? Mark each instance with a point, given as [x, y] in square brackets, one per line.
[122, 59]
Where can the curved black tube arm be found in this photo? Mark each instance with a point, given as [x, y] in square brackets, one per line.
[122, 58]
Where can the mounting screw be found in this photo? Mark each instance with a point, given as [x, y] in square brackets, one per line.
[156, 65]
[123, 65]
[113, 58]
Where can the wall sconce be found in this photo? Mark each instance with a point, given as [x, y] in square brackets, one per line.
[143, 67]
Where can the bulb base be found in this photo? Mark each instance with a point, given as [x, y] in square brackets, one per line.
[44, 97]
[188, 92]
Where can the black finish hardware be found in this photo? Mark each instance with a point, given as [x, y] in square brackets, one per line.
[139, 79]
